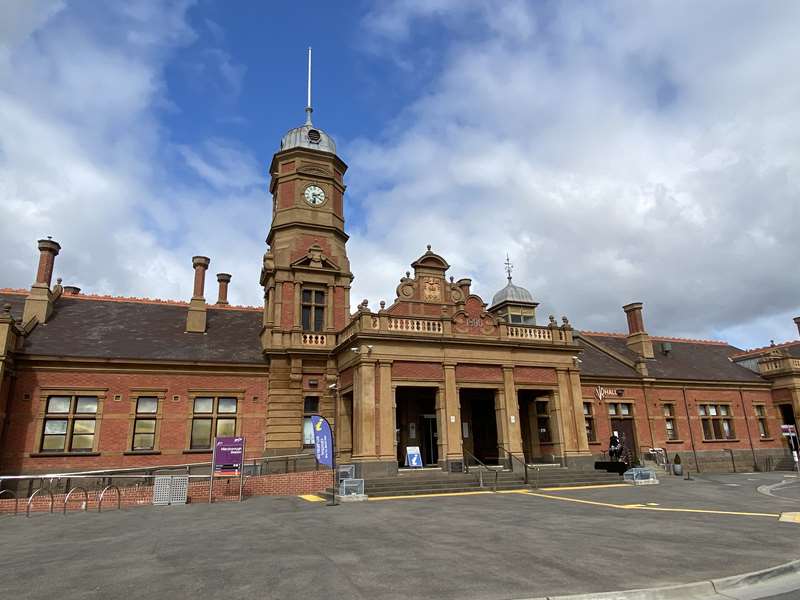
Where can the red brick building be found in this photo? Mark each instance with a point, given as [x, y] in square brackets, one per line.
[91, 382]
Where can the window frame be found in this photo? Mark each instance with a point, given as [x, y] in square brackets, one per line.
[543, 421]
[71, 416]
[589, 421]
[762, 421]
[713, 418]
[670, 417]
[215, 416]
[313, 308]
[307, 417]
[134, 416]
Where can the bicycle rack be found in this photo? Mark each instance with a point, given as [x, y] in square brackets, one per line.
[14, 496]
[33, 495]
[105, 489]
[85, 498]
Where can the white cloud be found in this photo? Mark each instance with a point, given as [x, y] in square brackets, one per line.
[82, 156]
[617, 154]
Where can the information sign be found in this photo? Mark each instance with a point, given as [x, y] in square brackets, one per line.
[413, 457]
[323, 440]
[228, 455]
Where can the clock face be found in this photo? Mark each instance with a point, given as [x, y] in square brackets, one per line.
[314, 195]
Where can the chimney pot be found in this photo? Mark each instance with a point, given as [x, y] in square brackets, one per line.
[200, 264]
[797, 322]
[71, 290]
[638, 339]
[48, 250]
[223, 279]
[635, 321]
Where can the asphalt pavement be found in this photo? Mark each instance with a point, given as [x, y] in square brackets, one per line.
[488, 546]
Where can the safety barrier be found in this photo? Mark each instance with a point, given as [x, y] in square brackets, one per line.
[77, 488]
[33, 495]
[14, 496]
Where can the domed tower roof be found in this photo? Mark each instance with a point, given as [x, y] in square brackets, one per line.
[308, 136]
[512, 294]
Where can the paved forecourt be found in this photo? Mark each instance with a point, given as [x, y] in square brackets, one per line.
[511, 545]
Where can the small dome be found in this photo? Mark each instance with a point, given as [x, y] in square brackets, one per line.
[512, 293]
[308, 136]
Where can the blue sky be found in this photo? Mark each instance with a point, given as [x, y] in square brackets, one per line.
[618, 152]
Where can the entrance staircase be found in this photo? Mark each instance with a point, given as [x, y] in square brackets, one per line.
[434, 481]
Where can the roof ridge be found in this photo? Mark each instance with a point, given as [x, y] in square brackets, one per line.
[13, 291]
[145, 300]
[657, 338]
[766, 348]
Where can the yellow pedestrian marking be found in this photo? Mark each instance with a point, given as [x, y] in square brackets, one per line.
[584, 487]
[652, 504]
[660, 509]
[443, 495]
[790, 517]
[312, 498]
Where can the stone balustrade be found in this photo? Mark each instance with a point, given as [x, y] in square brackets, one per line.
[314, 339]
[414, 325]
[531, 333]
[778, 364]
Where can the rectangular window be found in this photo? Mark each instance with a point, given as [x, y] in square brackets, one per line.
[69, 424]
[543, 421]
[313, 310]
[144, 425]
[589, 419]
[669, 421]
[310, 407]
[620, 409]
[761, 416]
[212, 417]
[717, 422]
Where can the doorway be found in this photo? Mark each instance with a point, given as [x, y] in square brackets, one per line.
[479, 424]
[416, 424]
[627, 436]
[535, 426]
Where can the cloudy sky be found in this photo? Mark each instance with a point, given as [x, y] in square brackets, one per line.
[617, 151]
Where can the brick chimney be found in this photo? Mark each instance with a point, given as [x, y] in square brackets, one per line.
[223, 279]
[797, 322]
[196, 318]
[39, 303]
[464, 284]
[638, 339]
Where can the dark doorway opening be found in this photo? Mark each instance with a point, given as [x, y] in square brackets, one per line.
[535, 426]
[787, 418]
[416, 423]
[479, 424]
[627, 438]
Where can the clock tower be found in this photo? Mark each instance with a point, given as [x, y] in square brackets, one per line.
[306, 278]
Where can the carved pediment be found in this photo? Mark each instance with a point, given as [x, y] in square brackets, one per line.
[314, 169]
[474, 319]
[315, 258]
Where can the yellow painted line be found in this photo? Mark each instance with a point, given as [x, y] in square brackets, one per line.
[659, 509]
[584, 487]
[312, 498]
[444, 495]
[790, 517]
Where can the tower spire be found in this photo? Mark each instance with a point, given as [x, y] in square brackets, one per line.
[309, 110]
[509, 267]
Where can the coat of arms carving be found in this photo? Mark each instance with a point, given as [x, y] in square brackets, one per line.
[432, 290]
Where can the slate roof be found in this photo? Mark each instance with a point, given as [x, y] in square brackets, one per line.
[599, 364]
[688, 359]
[82, 327]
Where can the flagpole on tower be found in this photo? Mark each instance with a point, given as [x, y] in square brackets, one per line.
[309, 110]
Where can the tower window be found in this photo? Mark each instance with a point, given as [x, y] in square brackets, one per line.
[313, 308]
[313, 136]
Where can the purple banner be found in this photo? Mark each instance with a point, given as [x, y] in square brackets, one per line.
[228, 455]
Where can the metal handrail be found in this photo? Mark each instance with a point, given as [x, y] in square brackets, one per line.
[514, 458]
[13, 495]
[33, 495]
[105, 489]
[467, 453]
[77, 488]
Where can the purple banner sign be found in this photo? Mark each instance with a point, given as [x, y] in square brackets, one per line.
[228, 455]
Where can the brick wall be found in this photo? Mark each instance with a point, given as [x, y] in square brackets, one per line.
[115, 418]
[417, 370]
[285, 484]
[478, 373]
[534, 375]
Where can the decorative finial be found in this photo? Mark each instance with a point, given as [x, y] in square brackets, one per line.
[509, 267]
[309, 110]
[429, 247]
